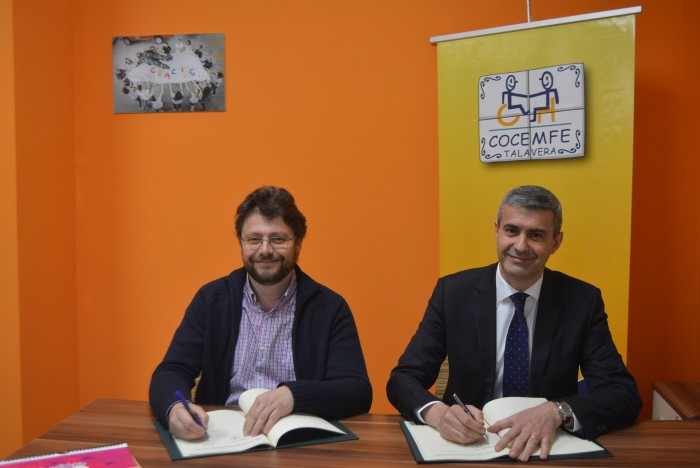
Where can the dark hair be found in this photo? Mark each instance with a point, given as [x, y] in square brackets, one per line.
[533, 197]
[178, 95]
[272, 202]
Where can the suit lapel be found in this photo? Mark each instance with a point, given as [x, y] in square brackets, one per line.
[484, 303]
[548, 316]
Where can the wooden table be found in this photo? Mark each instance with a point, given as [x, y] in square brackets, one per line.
[381, 444]
[683, 398]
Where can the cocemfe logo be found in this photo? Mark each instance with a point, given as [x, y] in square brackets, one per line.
[532, 114]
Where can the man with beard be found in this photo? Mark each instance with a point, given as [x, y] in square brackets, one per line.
[267, 325]
[516, 328]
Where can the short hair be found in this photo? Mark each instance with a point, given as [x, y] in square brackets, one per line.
[533, 197]
[272, 202]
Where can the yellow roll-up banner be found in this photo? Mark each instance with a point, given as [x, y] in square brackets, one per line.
[548, 105]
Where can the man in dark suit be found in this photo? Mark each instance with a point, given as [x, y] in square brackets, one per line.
[558, 327]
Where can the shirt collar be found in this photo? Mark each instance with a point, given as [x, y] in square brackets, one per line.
[289, 293]
[505, 290]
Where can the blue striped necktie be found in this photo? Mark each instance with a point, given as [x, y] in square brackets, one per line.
[516, 368]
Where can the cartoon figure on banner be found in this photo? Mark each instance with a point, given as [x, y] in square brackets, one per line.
[507, 99]
[547, 81]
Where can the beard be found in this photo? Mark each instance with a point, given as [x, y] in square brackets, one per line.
[269, 277]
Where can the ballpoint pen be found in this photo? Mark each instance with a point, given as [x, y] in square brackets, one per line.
[189, 410]
[466, 410]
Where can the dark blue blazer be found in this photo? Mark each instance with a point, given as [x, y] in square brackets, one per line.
[571, 332]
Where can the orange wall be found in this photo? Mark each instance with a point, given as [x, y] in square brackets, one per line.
[46, 211]
[664, 331]
[10, 368]
[664, 309]
[335, 101]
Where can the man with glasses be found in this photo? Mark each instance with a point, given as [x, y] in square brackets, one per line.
[267, 325]
[516, 328]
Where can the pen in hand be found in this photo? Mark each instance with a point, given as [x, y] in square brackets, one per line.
[189, 410]
[466, 410]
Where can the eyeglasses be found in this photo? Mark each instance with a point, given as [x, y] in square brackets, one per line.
[276, 242]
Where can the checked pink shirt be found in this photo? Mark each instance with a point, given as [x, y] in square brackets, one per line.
[263, 356]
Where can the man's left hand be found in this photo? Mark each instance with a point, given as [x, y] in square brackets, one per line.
[529, 430]
[268, 408]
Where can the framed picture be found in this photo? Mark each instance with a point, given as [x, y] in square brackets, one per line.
[168, 73]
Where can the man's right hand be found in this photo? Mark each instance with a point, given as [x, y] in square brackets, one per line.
[183, 425]
[454, 424]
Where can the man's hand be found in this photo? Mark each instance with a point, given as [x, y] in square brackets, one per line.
[529, 429]
[268, 408]
[183, 425]
[454, 424]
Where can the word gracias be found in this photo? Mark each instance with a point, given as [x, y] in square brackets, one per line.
[171, 72]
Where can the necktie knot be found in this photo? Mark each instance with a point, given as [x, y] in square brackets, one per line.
[519, 299]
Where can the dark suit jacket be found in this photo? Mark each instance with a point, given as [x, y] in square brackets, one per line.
[571, 331]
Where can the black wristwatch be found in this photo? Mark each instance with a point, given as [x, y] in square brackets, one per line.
[567, 415]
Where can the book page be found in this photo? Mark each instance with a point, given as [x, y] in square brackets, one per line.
[568, 444]
[299, 421]
[434, 448]
[502, 408]
[247, 398]
[564, 443]
[224, 435]
[287, 423]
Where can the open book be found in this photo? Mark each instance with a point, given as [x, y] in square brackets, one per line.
[225, 432]
[428, 446]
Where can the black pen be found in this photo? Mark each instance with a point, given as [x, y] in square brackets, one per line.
[466, 410]
[189, 410]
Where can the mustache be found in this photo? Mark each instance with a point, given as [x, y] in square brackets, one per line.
[525, 256]
[268, 256]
